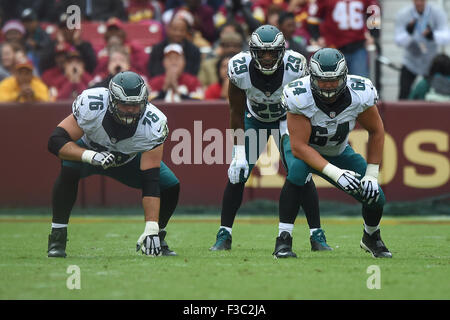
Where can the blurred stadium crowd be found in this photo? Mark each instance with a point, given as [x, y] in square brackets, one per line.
[181, 47]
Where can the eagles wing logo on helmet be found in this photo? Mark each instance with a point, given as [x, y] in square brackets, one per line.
[127, 88]
[266, 39]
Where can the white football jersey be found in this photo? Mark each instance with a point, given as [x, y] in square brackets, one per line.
[264, 102]
[330, 127]
[90, 109]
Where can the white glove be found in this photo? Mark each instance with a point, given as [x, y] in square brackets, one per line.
[238, 163]
[149, 242]
[104, 159]
[346, 179]
[369, 184]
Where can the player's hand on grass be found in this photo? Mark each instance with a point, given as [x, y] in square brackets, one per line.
[346, 179]
[104, 159]
[148, 242]
[369, 189]
[238, 163]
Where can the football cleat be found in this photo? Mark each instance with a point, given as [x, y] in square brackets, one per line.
[223, 241]
[165, 251]
[57, 243]
[283, 246]
[374, 245]
[319, 241]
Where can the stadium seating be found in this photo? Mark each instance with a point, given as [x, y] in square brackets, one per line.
[146, 33]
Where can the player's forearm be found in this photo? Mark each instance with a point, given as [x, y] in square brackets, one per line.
[71, 151]
[151, 207]
[238, 102]
[236, 122]
[309, 155]
[375, 147]
[236, 119]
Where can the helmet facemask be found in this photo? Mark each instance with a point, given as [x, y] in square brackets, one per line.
[123, 117]
[118, 96]
[328, 95]
[277, 57]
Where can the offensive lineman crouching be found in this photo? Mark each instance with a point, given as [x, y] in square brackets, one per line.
[115, 132]
[322, 110]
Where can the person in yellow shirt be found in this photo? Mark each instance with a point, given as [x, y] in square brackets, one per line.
[23, 86]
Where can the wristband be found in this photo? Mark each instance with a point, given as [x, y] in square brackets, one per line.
[151, 227]
[239, 151]
[373, 170]
[87, 156]
[332, 171]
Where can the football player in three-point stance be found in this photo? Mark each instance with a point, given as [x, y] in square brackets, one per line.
[257, 79]
[115, 132]
[322, 109]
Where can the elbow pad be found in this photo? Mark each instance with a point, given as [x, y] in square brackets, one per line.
[57, 140]
[150, 183]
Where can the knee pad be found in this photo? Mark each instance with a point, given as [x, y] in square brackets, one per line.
[298, 173]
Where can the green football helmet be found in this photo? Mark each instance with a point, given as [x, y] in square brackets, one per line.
[267, 38]
[327, 65]
[130, 89]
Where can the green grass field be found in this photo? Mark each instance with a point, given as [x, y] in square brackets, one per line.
[104, 250]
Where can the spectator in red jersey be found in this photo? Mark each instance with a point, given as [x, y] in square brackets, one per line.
[75, 78]
[73, 38]
[343, 26]
[177, 32]
[118, 61]
[175, 85]
[115, 35]
[219, 90]
[50, 76]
